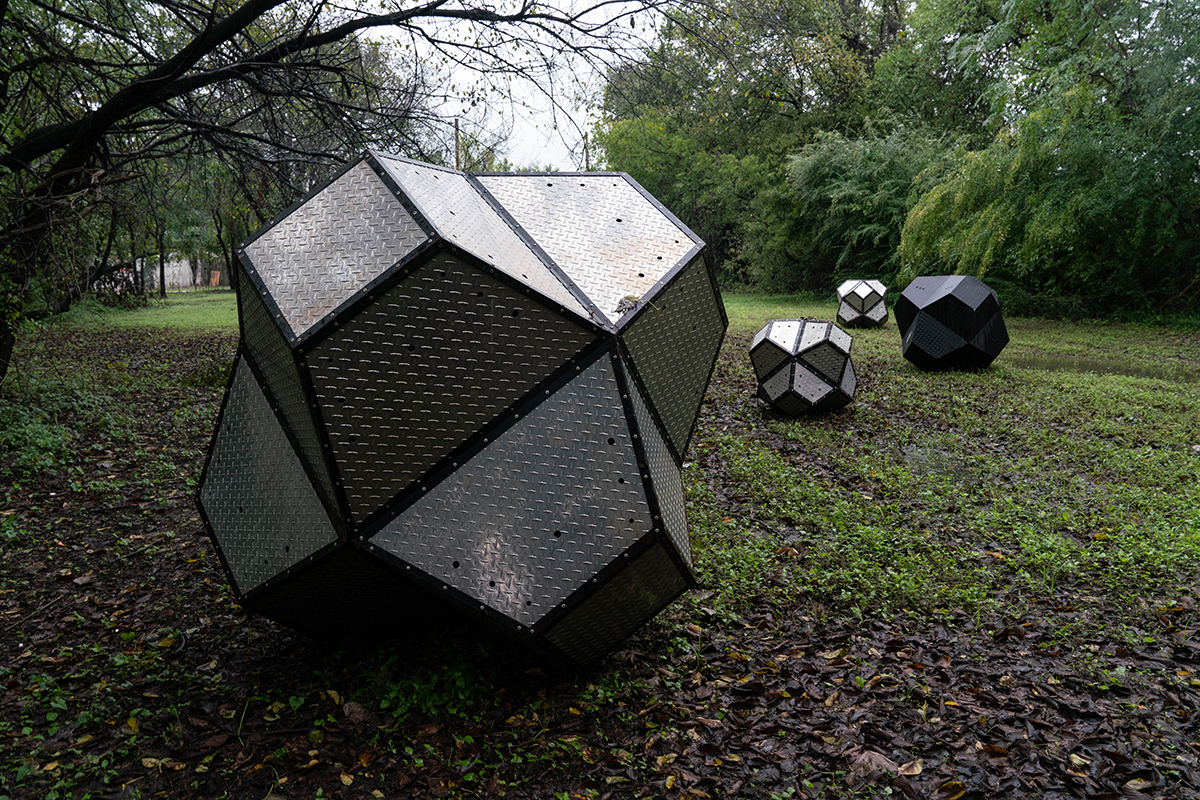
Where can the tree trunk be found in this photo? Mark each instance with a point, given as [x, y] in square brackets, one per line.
[8, 338]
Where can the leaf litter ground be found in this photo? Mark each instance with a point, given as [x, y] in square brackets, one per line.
[128, 670]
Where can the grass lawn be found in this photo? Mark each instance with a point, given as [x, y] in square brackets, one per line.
[975, 585]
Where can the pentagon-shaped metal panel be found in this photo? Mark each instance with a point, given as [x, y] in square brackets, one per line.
[627, 247]
[339, 240]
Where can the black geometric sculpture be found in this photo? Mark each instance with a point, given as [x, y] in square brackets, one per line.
[803, 366]
[861, 304]
[950, 322]
[469, 392]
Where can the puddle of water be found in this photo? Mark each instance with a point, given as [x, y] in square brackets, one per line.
[1166, 372]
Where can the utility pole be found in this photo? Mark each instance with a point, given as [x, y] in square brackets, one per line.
[587, 156]
[456, 161]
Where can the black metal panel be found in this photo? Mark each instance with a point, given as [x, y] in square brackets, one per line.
[645, 587]
[348, 592]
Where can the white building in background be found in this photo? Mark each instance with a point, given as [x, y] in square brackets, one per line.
[179, 273]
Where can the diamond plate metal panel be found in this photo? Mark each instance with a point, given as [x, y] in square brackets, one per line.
[932, 337]
[827, 360]
[674, 344]
[767, 356]
[840, 339]
[426, 366]
[809, 385]
[849, 379]
[760, 336]
[620, 607]
[665, 476]
[878, 313]
[778, 383]
[539, 511]
[813, 332]
[627, 246]
[785, 333]
[334, 244]
[264, 512]
[454, 206]
[275, 361]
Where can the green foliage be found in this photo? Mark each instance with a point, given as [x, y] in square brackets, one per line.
[705, 120]
[709, 191]
[849, 201]
[1077, 204]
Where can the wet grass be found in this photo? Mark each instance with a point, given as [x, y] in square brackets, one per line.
[1007, 489]
[192, 310]
[1066, 500]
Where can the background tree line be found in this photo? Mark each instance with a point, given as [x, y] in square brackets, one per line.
[134, 129]
[1049, 146]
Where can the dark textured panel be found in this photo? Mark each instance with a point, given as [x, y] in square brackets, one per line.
[275, 360]
[664, 475]
[674, 344]
[425, 367]
[264, 512]
[539, 511]
[620, 607]
[349, 593]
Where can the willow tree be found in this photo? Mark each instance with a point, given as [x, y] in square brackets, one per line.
[1088, 197]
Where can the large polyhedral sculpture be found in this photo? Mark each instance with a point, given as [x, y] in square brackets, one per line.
[950, 322]
[861, 304]
[803, 366]
[469, 392]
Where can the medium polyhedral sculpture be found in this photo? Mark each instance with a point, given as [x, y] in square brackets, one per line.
[950, 322]
[469, 392]
[861, 304]
[803, 366]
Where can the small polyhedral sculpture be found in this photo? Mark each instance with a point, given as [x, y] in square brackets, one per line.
[464, 392]
[803, 366]
[950, 322]
[861, 304]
